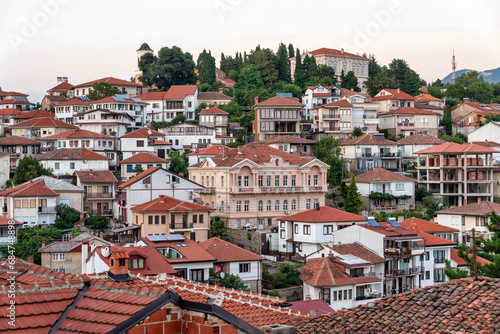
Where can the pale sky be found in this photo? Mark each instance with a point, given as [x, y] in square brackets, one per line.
[87, 40]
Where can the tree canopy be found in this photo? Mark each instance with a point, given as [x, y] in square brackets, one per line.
[100, 90]
[30, 239]
[97, 222]
[27, 169]
[206, 68]
[178, 164]
[218, 229]
[352, 201]
[328, 150]
[66, 216]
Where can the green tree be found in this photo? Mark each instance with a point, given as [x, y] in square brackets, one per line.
[181, 118]
[249, 78]
[468, 78]
[178, 164]
[29, 168]
[349, 81]
[284, 87]
[231, 281]
[30, 239]
[479, 91]
[352, 201]
[206, 68]
[233, 108]
[283, 64]
[291, 52]
[66, 217]
[299, 75]
[357, 131]
[455, 90]
[100, 90]
[454, 273]
[433, 204]
[218, 229]
[170, 67]
[328, 150]
[287, 275]
[97, 222]
[137, 170]
[265, 61]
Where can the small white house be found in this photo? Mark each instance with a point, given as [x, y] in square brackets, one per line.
[142, 140]
[68, 160]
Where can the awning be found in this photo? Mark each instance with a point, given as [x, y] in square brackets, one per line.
[124, 229]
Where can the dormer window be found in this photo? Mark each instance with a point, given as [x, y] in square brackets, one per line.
[136, 264]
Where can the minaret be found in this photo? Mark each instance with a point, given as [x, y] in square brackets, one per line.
[453, 68]
[141, 52]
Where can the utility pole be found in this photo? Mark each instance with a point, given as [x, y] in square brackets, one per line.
[474, 262]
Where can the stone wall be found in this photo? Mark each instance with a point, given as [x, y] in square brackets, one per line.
[292, 294]
[240, 237]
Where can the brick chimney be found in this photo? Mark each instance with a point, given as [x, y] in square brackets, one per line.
[224, 152]
[90, 171]
[399, 90]
[118, 266]
[30, 259]
[161, 198]
[240, 149]
[256, 99]
[215, 105]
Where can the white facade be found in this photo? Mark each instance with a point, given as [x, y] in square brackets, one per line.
[316, 96]
[189, 136]
[104, 121]
[395, 188]
[434, 265]
[63, 167]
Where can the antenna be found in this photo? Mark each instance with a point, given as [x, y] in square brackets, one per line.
[453, 68]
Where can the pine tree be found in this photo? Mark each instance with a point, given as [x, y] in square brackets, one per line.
[353, 200]
[206, 68]
[299, 75]
[291, 53]
[282, 64]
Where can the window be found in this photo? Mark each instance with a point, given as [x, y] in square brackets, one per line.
[129, 168]
[400, 186]
[282, 234]
[136, 263]
[222, 181]
[200, 219]
[438, 256]
[439, 275]
[340, 295]
[203, 181]
[140, 143]
[213, 181]
[71, 165]
[315, 203]
[277, 205]
[285, 180]
[261, 181]
[426, 256]
[327, 229]
[163, 219]
[293, 204]
[56, 165]
[239, 181]
[238, 206]
[247, 206]
[428, 274]
[246, 181]
[307, 229]
[197, 275]
[105, 189]
[157, 220]
[244, 267]
[294, 180]
[282, 224]
[296, 229]
[268, 181]
[334, 296]
[276, 180]
[268, 206]
[401, 201]
[58, 257]
[260, 205]
[150, 220]
[350, 293]
[324, 295]
[285, 204]
[315, 180]
[308, 204]
[147, 180]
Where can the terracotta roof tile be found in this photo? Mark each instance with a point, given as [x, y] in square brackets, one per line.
[316, 305]
[462, 263]
[380, 174]
[143, 133]
[334, 52]
[213, 111]
[225, 251]
[139, 176]
[409, 111]
[387, 229]
[475, 209]
[357, 249]
[279, 101]
[420, 105]
[486, 143]
[96, 176]
[114, 98]
[393, 94]
[180, 92]
[17, 140]
[432, 240]
[42, 122]
[324, 214]
[339, 103]
[143, 157]
[420, 225]
[62, 86]
[211, 150]
[152, 96]
[34, 114]
[71, 154]
[167, 204]
[192, 252]
[367, 139]
[420, 139]
[9, 112]
[109, 80]
[449, 147]
[75, 102]
[288, 139]
[427, 97]
[30, 188]
[76, 134]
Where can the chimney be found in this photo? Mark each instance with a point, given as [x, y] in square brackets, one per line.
[118, 266]
[207, 107]
[161, 199]
[256, 99]
[30, 259]
[215, 105]
[342, 50]
[224, 152]
[399, 90]
[240, 149]
[90, 171]
[65, 153]
[101, 235]
[43, 244]
[317, 206]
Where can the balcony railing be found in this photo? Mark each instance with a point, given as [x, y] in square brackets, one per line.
[245, 190]
[280, 189]
[438, 260]
[378, 155]
[181, 226]
[209, 190]
[98, 195]
[403, 272]
[102, 212]
[406, 124]
[331, 115]
[372, 296]
[46, 209]
[332, 128]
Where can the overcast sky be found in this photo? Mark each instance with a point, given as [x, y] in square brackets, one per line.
[87, 40]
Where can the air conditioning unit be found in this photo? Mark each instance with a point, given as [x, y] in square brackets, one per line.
[287, 212]
[308, 297]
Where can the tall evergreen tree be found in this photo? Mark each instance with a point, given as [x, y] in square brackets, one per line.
[291, 52]
[283, 64]
[353, 200]
[299, 75]
[206, 68]
[349, 81]
[313, 68]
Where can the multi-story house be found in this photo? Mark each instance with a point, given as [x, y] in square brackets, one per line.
[122, 103]
[316, 96]
[213, 98]
[276, 116]
[69, 194]
[102, 144]
[149, 185]
[467, 217]
[364, 110]
[334, 119]
[14, 100]
[31, 203]
[463, 173]
[5, 169]
[416, 142]
[215, 118]
[63, 88]
[156, 106]
[220, 76]
[408, 121]
[144, 140]
[126, 87]
[383, 190]
[37, 128]
[340, 61]
[400, 247]
[438, 230]
[234, 260]
[142, 161]
[68, 160]
[27, 115]
[167, 215]
[304, 232]
[489, 132]
[201, 154]
[466, 107]
[369, 151]
[468, 123]
[65, 110]
[291, 144]
[106, 122]
[429, 100]
[7, 118]
[188, 136]
[392, 99]
[18, 148]
[256, 184]
[344, 275]
[8, 230]
[181, 100]
[98, 190]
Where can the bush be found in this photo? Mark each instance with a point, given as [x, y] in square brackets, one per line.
[274, 293]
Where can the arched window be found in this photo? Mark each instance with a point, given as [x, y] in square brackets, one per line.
[293, 204]
[285, 204]
[260, 205]
[268, 206]
[277, 205]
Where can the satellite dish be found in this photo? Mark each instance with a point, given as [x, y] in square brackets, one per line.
[149, 132]
[222, 275]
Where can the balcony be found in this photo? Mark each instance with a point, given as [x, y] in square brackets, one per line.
[390, 155]
[99, 195]
[181, 226]
[331, 116]
[280, 189]
[372, 120]
[209, 190]
[102, 212]
[332, 128]
[372, 296]
[46, 209]
[405, 272]
[245, 190]
[406, 124]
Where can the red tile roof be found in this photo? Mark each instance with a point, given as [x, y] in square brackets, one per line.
[458, 306]
[393, 94]
[419, 105]
[9, 112]
[159, 142]
[334, 52]
[4, 221]
[475, 209]
[143, 133]
[349, 92]
[213, 96]
[152, 96]
[211, 150]
[427, 97]
[225, 251]
[486, 143]
[420, 225]
[12, 101]
[288, 139]
[169, 204]
[42, 122]
[432, 240]
[366, 139]
[192, 252]
[76, 134]
[62, 86]
[4, 93]
[449, 147]
[213, 111]
[180, 92]
[109, 80]
[30, 188]
[380, 174]
[34, 114]
[325, 214]
[155, 262]
[74, 102]
[318, 306]
[357, 249]
[410, 111]
[484, 108]
[388, 230]
[96, 176]
[139, 176]
[462, 263]
[114, 99]
[143, 157]
[17, 140]
[339, 103]
[420, 139]
[279, 101]
[72, 154]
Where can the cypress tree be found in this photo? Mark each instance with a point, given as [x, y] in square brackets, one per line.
[353, 200]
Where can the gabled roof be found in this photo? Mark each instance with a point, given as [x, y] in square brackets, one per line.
[420, 105]
[30, 188]
[169, 204]
[420, 225]
[380, 174]
[357, 249]
[71, 154]
[61, 247]
[366, 139]
[458, 306]
[143, 133]
[34, 114]
[279, 101]
[210, 150]
[180, 92]
[12, 93]
[42, 122]
[224, 251]
[59, 185]
[5, 221]
[475, 209]
[389, 230]
[143, 157]
[192, 252]
[13, 101]
[55, 98]
[96, 176]
[9, 112]
[427, 97]
[339, 103]
[486, 143]
[420, 139]
[432, 240]
[62, 86]
[17, 140]
[450, 147]
[74, 102]
[213, 111]
[213, 96]
[334, 52]
[409, 111]
[109, 80]
[325, 214]
[77, 134]
[155, 264]
[152, 96]
[287, 139]
[485, 108]
[139, 176]
[318, 306]
[462, 263]
[393, 94]
[118, 99]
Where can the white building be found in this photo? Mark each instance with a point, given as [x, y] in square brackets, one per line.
[416, 142]
[126, 87]
[201, 154]
[187, 136]
[69, 160]
[106, 122]
[64, 111]
[144, 140]
[318, 95]
[181, 100]
[122, 103]
[156, 106]
[140, 161]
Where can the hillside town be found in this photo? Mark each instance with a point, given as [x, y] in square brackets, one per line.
[288, 192]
